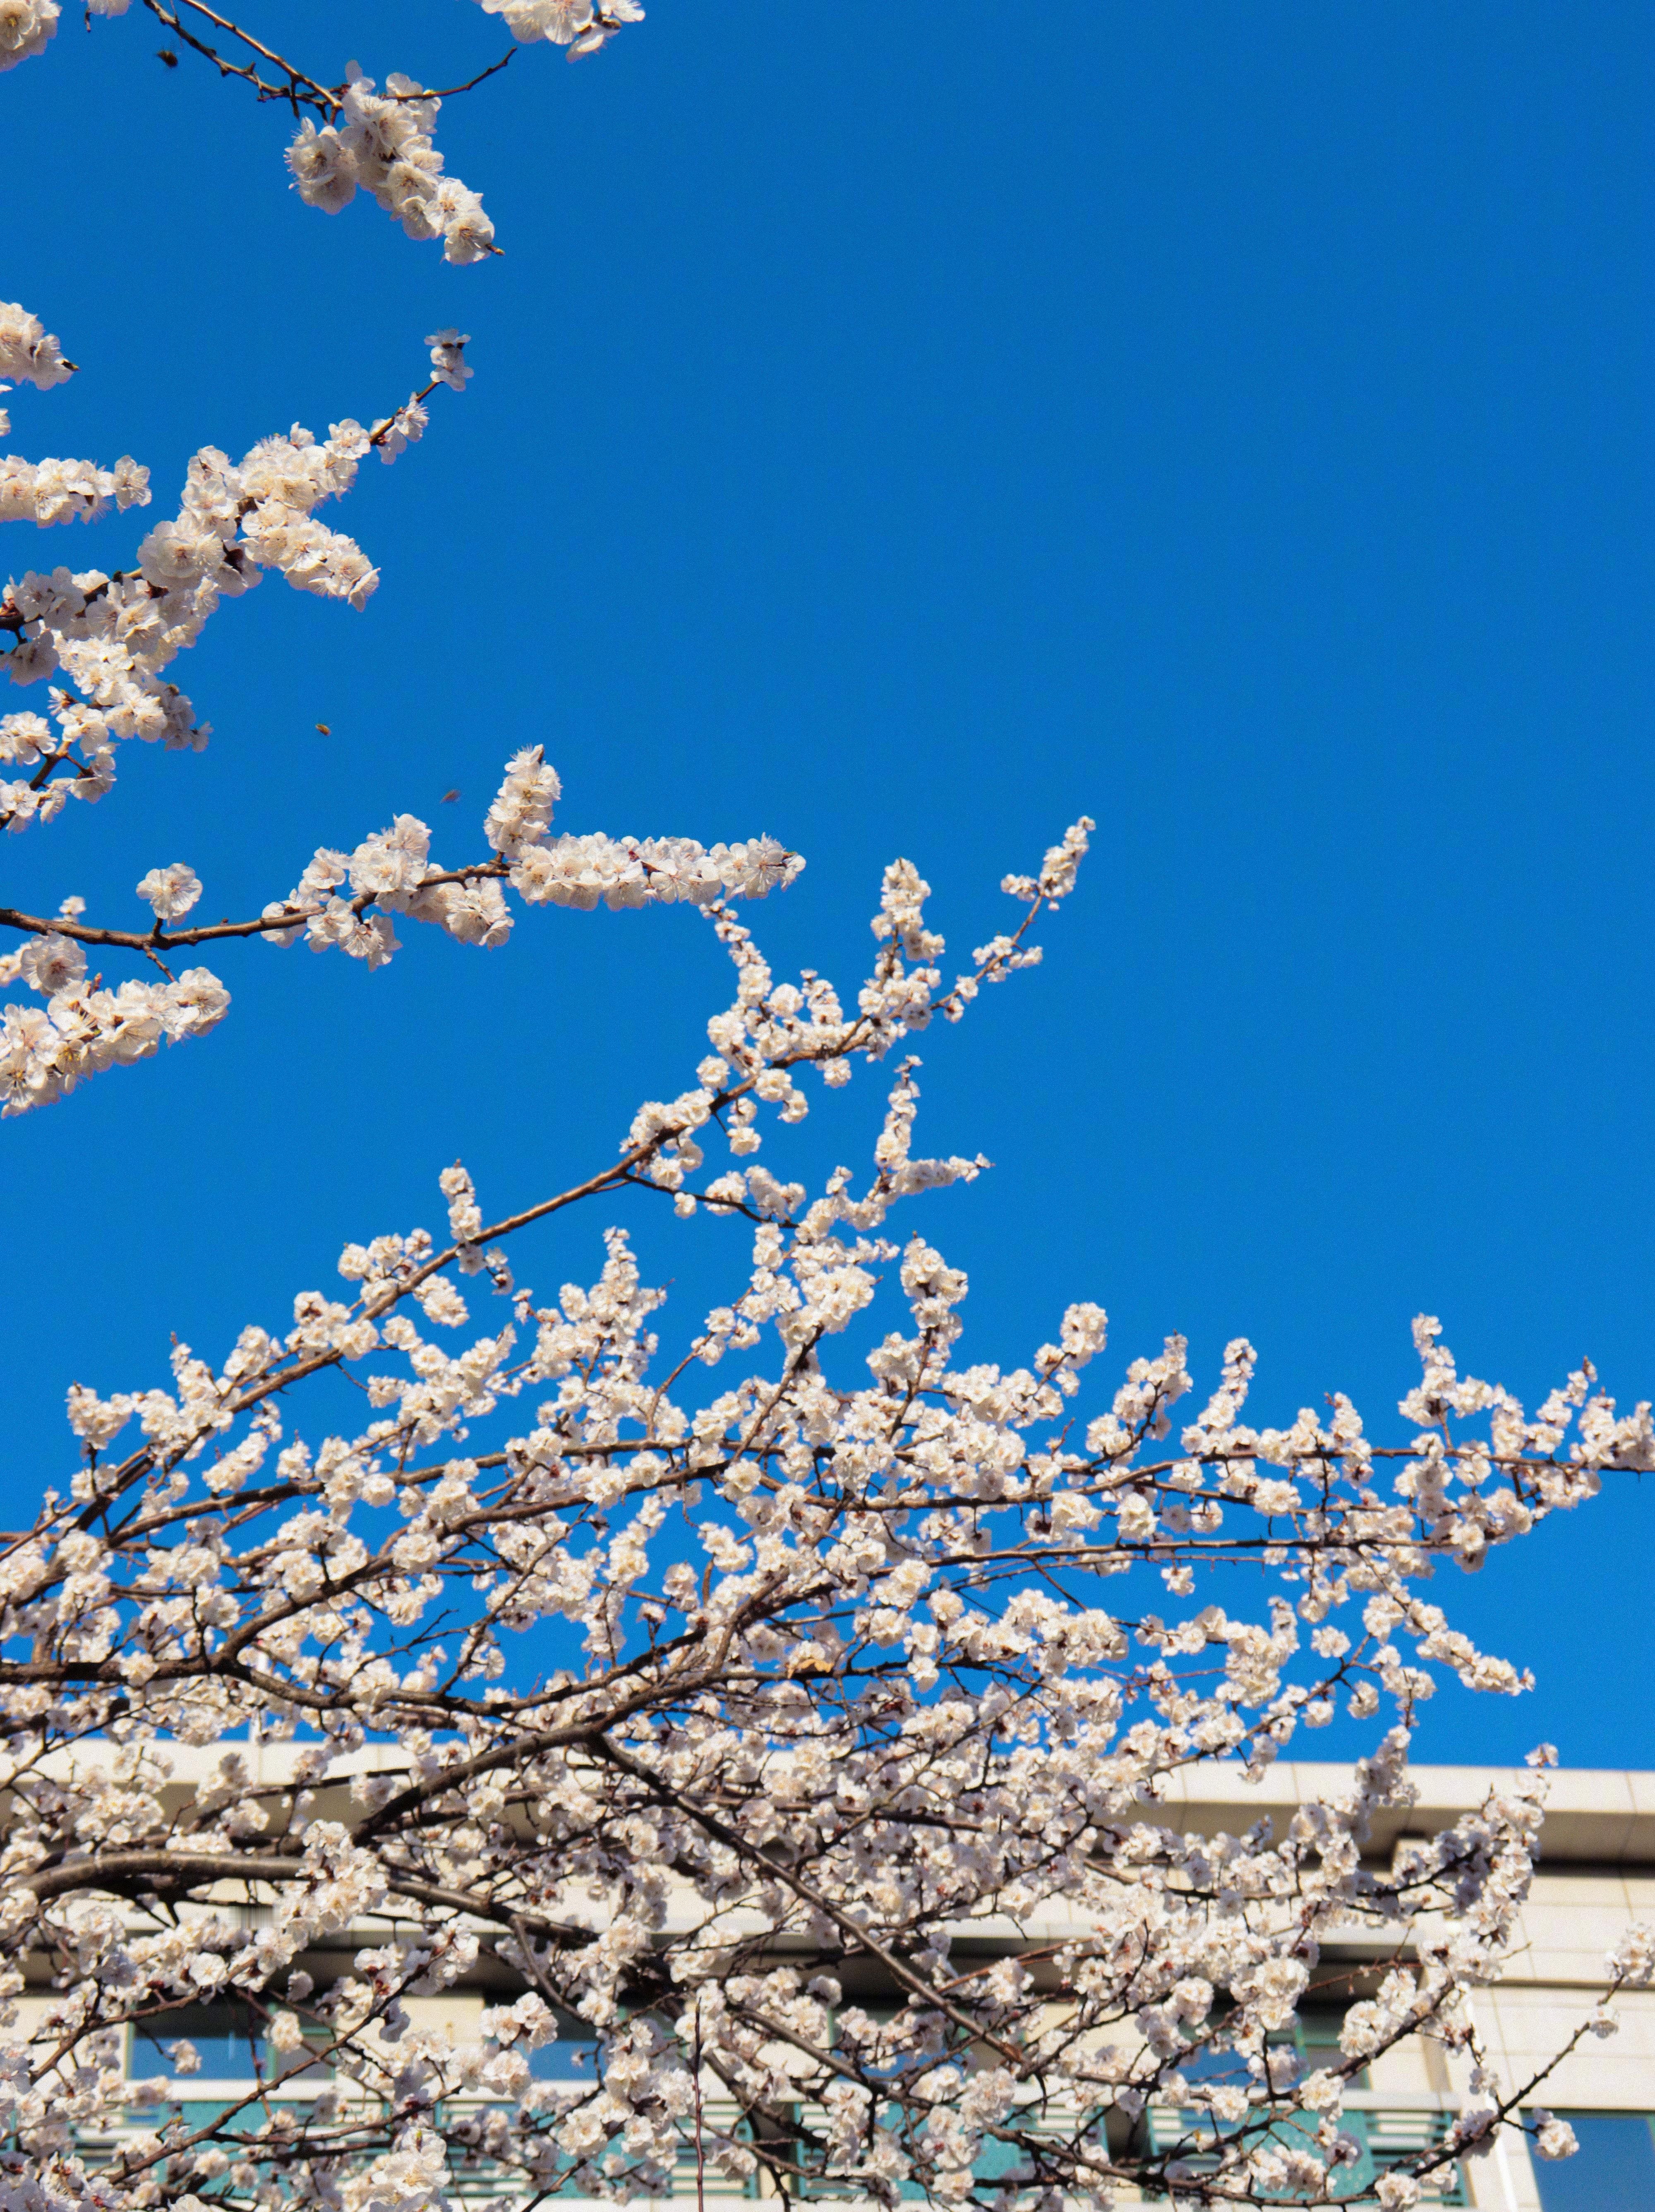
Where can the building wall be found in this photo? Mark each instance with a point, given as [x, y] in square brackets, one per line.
[1597, 1877]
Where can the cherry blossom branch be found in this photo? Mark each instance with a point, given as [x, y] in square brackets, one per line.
[160, 937]
[113, 1871]
[110, 637]
[300, 90]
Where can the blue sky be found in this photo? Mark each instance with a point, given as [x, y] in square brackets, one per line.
[1230, 421]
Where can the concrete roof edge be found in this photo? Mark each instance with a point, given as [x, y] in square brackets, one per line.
[1593, 1814]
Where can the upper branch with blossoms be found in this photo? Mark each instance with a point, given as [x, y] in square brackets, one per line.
[353, 137]
[112, 635]
[820, 1685]
[348, 900]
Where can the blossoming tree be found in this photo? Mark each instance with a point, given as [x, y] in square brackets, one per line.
[702, 1693]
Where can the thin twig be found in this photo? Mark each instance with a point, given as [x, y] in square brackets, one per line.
[299, 90]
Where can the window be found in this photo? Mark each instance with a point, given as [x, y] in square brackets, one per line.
[228, 2035]
[1613, 2170]
[573, 2057]
[1384, 2136]
[1316, 2036]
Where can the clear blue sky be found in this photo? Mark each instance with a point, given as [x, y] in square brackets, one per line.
[1232, 421]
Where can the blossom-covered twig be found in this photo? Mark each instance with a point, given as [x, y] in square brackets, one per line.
[353, 136]
[830, 1681]
[112, 635]
[346, 900]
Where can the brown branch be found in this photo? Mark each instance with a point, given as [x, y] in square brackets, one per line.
[299, 90]
[318, 96]
[676, 1685]
[454, 91]
[381, 431]
[149, 940]
[857, 1933]
[117, 1870]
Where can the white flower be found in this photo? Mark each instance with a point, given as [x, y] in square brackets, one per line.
[171, 891]
[610, 18]
[521, 812]
[448, 357]
[324, 169]
[53, 963]
[27, 354]
[394, 859]
[24, 738]
[465, 1215]
[25, 27]
[467, 233]
[1085, 1333]
[1397, 2192]
[180, 553]
[1554, 2138]
[131, 483]
[563, 22]
[1633, 1958]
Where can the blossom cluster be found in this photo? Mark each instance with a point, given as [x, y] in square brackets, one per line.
[819, 1674]
[350, 900]
[27, 354]
[583, 26]
[382, 144]
[83, 1028]
[49, 491]
[392, 871]
[359, 138]
[112, 635]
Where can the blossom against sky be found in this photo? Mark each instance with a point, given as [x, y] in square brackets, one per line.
[1232, 427]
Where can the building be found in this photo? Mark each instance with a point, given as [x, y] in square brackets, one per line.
[1596, 1877]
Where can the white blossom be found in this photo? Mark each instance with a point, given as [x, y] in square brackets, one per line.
[111, 636]
[171, 891]
[25, 27]
[44, 1052]
[583, 26]
[27, 354]
[448, 357]
[1553, 2138]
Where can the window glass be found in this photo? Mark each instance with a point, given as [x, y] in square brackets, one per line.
[228, 2036]
[572, 2057]
[1316, 2034]
[1385, 2137]
[1613, 2170]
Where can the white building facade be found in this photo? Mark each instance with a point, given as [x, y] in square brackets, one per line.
[1596, 1876]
